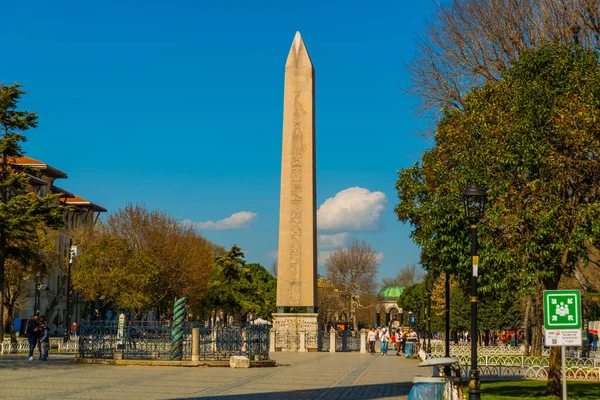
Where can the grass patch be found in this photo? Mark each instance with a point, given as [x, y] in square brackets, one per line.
[505, 390]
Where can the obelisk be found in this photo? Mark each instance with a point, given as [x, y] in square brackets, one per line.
[296, 317]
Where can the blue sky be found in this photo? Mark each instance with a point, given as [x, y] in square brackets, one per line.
[178, 105]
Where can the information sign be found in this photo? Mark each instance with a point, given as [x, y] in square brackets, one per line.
[563, 337]
[562, 309]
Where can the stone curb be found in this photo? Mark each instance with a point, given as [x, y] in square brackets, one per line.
[167, 363]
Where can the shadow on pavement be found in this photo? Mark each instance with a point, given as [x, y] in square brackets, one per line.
[375, 391]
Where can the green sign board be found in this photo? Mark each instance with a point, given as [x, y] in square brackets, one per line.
[562, 309]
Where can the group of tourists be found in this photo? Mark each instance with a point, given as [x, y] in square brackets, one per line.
[38, 334]
[394, 341]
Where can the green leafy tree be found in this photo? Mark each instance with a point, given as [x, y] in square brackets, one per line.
[21, 211]
[532, 140]
[37, 257]
[224, 289]
[412, 300]
[460, 310]
[260, 290]
[240, 289]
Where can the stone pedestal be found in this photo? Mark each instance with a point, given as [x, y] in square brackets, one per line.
[271, 341]
[332, 335]
[363, 342]
[302, 345]
[195, 344]
[288, 328]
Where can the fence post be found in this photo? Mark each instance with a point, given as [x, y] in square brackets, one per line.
[302, 347]
[195, 344]
[363, 343]
[332, 334]
[214, 338]
[272, 341]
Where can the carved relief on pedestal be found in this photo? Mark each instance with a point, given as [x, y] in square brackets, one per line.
[287, 331]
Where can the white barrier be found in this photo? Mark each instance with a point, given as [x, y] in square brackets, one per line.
[22, 346]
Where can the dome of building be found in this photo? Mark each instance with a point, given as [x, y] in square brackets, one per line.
[391, 292]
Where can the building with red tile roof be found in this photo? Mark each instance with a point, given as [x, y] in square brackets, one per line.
[80, 213]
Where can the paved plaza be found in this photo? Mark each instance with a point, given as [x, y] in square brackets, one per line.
[297, 376]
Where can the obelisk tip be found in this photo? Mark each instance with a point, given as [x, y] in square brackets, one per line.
[297, 41]
[298, 54]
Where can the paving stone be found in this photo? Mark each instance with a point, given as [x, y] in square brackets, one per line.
[297, 376]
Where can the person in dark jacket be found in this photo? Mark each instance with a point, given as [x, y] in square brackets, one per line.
[45, 329]
[33, 334]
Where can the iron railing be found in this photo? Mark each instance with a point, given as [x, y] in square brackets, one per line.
[345, 341]
[152, 340]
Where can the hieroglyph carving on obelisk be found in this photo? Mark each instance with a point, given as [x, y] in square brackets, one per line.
[297, 262]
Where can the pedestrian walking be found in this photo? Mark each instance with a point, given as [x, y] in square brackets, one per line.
[404, 337]
[398, 336]
[372, 338]
[45, 329]
[33, 334]
[384, 336]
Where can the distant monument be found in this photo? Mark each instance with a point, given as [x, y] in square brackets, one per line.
[295, 322]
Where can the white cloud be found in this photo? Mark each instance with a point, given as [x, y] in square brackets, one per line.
[273, 255]
[239, 220]
[352, 209]
[379, 256]
[332, 241]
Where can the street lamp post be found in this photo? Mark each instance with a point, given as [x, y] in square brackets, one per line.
[474, 200]
[73, 252]
[418, 320]
[429, 281]
[447, 315]
[36, 300]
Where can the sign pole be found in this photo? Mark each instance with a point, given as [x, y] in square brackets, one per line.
[563, 350]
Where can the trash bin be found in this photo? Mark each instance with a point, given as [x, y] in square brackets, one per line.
[410, 346]
[427, 388]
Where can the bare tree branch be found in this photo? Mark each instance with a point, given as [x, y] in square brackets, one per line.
[470, 41]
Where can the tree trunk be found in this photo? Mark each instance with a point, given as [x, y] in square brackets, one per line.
[11, 322]
[536, 324]
[3, 235]
[56, 299]
[354, 316]
[2, 263]
[526, 325]
[554, 386]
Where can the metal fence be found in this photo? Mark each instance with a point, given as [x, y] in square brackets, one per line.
[345, 341]
[152, 340]
[495, 365]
